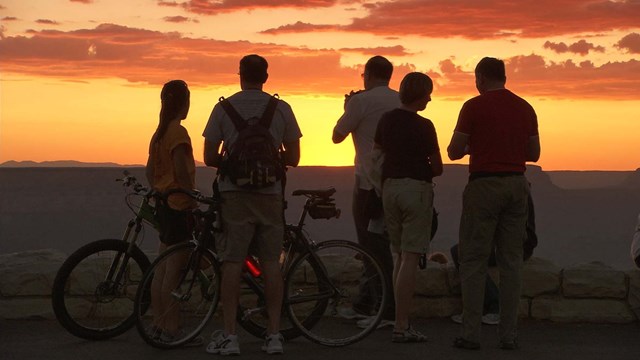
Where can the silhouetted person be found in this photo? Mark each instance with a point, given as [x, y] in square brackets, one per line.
[411, 160]
[250, 217]
[499, 131]
[362, 112]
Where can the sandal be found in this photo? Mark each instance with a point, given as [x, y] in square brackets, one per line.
[410, 335]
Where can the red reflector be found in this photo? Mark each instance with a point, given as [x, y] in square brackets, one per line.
[252, 266]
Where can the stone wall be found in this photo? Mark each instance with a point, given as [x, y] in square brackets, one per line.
[590, 292]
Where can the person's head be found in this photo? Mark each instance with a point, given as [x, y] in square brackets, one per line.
[377, 71]
[490, 74]
[175, 102]
[415, 90]
[253, 70]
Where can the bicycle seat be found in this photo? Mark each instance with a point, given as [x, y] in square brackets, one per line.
[323, 193]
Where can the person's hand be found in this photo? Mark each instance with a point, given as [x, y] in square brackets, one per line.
[348, 96]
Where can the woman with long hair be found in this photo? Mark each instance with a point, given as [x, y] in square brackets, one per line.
[171, 166]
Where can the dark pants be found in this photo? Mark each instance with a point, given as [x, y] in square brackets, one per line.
[378, 246]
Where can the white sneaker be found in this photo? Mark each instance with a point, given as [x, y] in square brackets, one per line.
[223, 344]
[366, 322]
[491, 319]
[273, 344]
[349, 314]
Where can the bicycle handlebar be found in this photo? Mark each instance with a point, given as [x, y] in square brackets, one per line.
[130, 181]
[194, 194]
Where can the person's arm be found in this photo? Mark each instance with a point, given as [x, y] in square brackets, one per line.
[291, 155]
[338, 137]
[533, 148]
[149, 170]
[180, 157]
[458, 147]
[435, 161]
[211, 155]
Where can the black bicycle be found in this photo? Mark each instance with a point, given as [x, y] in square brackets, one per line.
[321, 280]
[93, 291]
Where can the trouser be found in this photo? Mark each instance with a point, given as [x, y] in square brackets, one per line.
[494, 214]
[378, 246]
[491, 303]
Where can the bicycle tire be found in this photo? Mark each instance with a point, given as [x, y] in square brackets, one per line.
[87, 305]
[345, 267]
[193, 300]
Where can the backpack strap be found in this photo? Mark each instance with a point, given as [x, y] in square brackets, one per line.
[235, 117]
[267, 116]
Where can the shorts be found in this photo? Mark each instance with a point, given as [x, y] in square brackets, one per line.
[408, 210]
[174, 226]
[251, 220]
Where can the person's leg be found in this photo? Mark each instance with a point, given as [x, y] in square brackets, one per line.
[405, 287]
[156, 293]
[491, 291]
[273, 292]
[230, 293]
[509, 248]
[381, 250]
[477, 226]
[361, 222]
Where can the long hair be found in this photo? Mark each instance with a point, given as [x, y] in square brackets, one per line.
[174, 97]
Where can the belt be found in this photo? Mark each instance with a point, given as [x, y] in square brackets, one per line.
[483, 174]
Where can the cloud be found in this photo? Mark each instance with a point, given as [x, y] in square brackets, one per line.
[490, 19]
[145, 56]
[630, 43]
[178, 19]
[300, 27]
[212, 7]
[397, 50]
[82, 1]
[46, 22]
[531, 75]
[581, 47]
[9, 18]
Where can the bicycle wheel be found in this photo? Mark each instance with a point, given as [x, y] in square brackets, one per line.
[178, 295]
[330, 279]
[88, 300]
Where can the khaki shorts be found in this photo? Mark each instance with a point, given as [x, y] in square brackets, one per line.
[251, 220]
[408, 208]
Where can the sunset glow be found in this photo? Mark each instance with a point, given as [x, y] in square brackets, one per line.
[80, 79]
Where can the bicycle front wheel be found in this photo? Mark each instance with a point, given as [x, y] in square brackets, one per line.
[178, 295]
[93, 292]
[336, 276]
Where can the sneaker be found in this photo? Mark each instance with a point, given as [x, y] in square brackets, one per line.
[273, 344]
[349, 313]
[366, 322]
[488, 319]
[491, 319]
[462, 343]
[168, 338]
[223, 344]
[410, 335]
[457, 318]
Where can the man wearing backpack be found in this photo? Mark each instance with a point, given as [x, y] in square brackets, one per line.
[362, 111]
[250, 182]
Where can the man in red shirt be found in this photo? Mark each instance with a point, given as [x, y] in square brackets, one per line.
[499, 130]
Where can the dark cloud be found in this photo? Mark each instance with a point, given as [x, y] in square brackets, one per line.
[9, 18]
[82, 1]
[581, 47]
[212, 7]
[489, 19]
[46, 22]
[397, 50]
[300, 27]
[630, 43]
[178, 19]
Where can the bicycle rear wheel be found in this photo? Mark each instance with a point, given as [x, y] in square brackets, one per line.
[330, 279]
[91, 302]
[173, 311]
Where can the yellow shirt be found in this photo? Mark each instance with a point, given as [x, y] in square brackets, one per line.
[164, 177]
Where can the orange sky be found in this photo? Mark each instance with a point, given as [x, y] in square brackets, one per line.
[80, 79]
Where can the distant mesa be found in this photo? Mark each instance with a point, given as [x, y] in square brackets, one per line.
[59, 163]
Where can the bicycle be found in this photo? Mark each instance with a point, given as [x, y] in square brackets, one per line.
[321, 279]
[93, 291]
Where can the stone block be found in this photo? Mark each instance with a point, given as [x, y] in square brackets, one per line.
[29, 273]
[556, 308]
[594, 280]
[634, 291]
[26, 308]
[540, 276]
[432, 281]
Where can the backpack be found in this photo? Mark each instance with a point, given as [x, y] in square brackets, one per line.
[254, 162]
